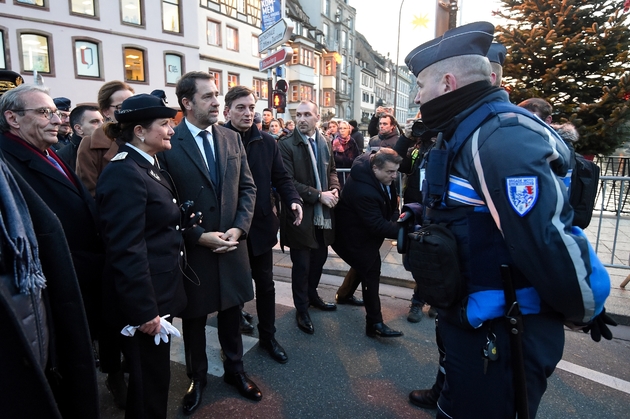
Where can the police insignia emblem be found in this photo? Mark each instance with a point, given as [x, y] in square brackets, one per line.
[522, 193]
[154, 174]
[120, 156]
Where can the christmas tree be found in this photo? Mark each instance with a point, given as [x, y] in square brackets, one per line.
[574, 54]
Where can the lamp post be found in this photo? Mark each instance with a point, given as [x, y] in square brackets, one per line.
[396, 64]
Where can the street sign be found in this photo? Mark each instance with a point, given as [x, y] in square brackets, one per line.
[271, 11]
[276, 58]
[274, 36]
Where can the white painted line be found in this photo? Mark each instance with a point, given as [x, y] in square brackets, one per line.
[596, 376]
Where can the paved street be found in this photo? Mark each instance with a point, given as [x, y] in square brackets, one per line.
[340, 373]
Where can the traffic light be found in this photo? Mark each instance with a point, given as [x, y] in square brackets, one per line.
[279, 101]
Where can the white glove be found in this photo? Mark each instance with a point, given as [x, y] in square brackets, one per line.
[166, 329]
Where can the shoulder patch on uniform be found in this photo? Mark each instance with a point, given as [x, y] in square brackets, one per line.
[120, 156]
[522, 193]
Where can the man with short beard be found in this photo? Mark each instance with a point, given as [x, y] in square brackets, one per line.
[308, 158]
[268, 171]
[387, 134]
[209, 167]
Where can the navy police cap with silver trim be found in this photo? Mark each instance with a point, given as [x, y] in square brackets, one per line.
[143, 107]
[471, 39]
[497, 53]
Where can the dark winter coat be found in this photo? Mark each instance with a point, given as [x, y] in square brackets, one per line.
[26, 390]
[268, 171]
[213, 281]
[297, 161]
[75, 208]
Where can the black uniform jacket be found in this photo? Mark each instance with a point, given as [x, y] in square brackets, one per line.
[25, 389]
[75, 208]
[265, 163]
[363, 216]
[214, 282]
[140, 221]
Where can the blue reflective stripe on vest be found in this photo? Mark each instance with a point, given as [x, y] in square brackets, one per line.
[490, 304]
[460, 190]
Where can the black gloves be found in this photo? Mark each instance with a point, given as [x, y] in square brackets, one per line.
[598, 327]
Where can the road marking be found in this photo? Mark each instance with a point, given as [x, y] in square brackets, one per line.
[596, 376]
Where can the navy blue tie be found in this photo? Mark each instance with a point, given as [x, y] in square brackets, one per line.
[212, 166]
[314, 146]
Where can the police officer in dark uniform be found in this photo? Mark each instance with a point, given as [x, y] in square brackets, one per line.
[140, 222]
[63, 105]
[505, 203]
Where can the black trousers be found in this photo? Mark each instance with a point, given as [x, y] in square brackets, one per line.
[109, 348]
[194, 333]
[307, 271]
[262, 272]
[369, 278]
[149, 376]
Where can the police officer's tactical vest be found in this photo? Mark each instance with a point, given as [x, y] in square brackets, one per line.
[482, 249]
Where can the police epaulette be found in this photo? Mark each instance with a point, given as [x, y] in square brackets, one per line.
[120, 156]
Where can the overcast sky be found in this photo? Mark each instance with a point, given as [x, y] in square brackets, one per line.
[377, 20]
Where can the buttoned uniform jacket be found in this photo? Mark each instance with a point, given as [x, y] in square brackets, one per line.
[25, 390]
[140, 223]
[363, 217]
[75, 208]
[214, 281]
[93, 154]
[268, 171]
[297, 161]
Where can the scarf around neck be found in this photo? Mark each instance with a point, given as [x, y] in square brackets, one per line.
[321, 213]
[18, 233]
[440, 112]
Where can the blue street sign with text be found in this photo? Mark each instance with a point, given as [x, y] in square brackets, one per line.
[271, 13]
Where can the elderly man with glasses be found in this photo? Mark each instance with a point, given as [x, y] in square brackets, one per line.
[29, 124]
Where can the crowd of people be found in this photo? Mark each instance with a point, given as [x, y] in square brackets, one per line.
[115, 221]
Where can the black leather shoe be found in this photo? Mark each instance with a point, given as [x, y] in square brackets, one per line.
[304, 322]
[427, 399]
[248, 316]
[352, 300]
[382, 330]
[274, 349]
[192, 398]
[115, 383]
[246, 327]
[244, 385]
[323, 305]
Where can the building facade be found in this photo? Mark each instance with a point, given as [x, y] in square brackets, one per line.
[74, 46]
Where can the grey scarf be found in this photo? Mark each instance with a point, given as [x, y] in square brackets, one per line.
[19, 235]
[321, 215]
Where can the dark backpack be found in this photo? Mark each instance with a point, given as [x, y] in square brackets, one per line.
[583, 190]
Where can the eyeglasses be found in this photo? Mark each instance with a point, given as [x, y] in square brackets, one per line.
[46, 112]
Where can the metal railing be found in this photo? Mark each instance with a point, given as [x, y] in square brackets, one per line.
[610, 222]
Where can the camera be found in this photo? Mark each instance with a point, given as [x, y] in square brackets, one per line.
[187, 211]
[418, 129]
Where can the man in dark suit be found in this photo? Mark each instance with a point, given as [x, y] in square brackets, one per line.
[308, 158]
[267, 169]
[29, 129]
[209, 166]
[41, 380]
[364, 219]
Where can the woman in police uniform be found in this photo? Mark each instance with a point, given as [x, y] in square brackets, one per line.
[140, 220]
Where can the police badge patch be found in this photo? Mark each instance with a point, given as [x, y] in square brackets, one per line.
[522, 193]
